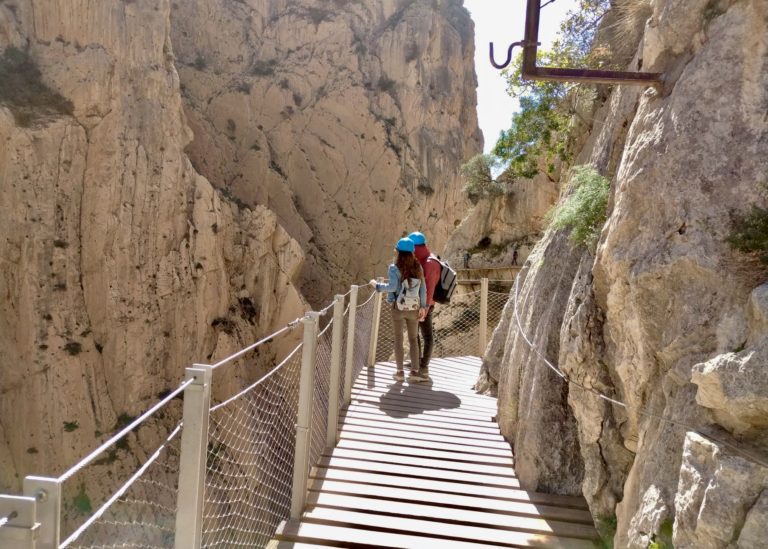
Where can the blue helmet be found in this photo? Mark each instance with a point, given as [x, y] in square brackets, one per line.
[418, 238]
[405, 245]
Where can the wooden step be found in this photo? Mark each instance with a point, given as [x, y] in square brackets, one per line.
[427, 435]
[392, 447]
[461, 426]
[418, 443]
[372, 406]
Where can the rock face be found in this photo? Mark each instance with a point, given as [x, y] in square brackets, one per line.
[120, 265]
[335, 115]
[665, 316]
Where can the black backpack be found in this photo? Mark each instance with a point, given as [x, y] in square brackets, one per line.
[446, 284]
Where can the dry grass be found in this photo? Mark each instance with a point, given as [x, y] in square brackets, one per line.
[625, 27]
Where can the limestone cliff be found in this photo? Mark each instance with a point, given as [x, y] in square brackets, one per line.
[665, 316]
[348, 119]
[119, 264]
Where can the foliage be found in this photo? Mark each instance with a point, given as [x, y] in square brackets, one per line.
[82, 502]
[24, 92]
[480, 184]
[583, 211]
[541, 133]
[606, 527]
[750, 233]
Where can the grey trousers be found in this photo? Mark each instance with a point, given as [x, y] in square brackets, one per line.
[411, 321]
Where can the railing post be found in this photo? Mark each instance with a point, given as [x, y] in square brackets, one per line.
[350, 345]
[193, 458]
[335, 384]
[304, 415]
[483, 315]
[47, 493]
[374, 330]
[22, 529]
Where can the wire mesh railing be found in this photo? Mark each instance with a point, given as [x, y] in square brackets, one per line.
[197, 470]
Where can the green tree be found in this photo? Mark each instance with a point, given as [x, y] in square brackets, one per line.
[478, 175]
[583, 211]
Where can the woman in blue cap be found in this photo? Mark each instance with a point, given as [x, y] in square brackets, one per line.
[406, 292]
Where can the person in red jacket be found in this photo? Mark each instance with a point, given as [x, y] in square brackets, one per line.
[432, 276]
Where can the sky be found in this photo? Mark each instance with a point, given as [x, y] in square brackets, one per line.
[502, 22]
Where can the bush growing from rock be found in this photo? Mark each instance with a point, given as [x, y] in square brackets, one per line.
[583, 211]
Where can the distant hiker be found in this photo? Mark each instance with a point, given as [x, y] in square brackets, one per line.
[431, 267]
[514, 256]
[467, 256]
[407, 292]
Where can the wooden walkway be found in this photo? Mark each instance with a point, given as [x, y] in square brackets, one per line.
[424, 466]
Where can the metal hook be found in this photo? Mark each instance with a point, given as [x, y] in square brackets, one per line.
[509, 55]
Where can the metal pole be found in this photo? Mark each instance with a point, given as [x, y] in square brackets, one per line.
[304, 415]
[333, 391]
[349, 366]
[193, 458]
[22, 531]
[47, 492]
[374, 330]
[483, 315]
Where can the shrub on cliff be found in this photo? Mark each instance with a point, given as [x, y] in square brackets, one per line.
[750, 233]
[583, 211]
[24, 92]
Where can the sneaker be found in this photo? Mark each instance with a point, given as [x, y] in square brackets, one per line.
[416, 377]
[398, 376]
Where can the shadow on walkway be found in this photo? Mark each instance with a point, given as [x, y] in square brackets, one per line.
[406, 399]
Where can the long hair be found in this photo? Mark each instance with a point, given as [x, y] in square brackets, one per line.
[408, 266]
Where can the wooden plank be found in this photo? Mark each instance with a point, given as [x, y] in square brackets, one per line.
[438, 375]
[428, 433]
[375, 407]
[435, 399]
[404, 427]
[386, 481]
[395, 448]
[374, 412]
[441, 514]
[448, 465]
[415, 443]
[274, 544]
[412, 471]
[503, 506]
[363, 538]
[385, 382]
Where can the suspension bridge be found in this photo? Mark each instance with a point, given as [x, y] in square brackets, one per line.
[324, 449]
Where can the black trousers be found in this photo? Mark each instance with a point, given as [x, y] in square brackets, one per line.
[426, 340]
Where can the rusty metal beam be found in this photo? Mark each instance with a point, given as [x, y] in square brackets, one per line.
[591, 76]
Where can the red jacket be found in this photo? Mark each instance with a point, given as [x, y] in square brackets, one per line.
[431, 271]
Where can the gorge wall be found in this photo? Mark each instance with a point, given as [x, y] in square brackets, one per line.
[665, 316]
[349, 120]
[151, 221]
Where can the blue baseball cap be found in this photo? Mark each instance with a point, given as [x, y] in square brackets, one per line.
[405, 245]
[418, 238]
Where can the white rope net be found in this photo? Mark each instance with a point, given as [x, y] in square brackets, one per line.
[456, 326]
[249, 465]
[145, 514]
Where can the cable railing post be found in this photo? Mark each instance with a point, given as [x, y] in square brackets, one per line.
[350, 345]
[47, 492]
[374, 330]
[335, 384]
[304, 415]
[21, 526]
[483, 315]
[192, 461]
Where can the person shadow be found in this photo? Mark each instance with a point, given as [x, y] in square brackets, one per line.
[409, 399]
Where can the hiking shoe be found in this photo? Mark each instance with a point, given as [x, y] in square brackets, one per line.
[398, 376]
[416, 377]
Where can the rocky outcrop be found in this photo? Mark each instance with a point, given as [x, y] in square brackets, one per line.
[120, 264]
[665, 317]
[336, 116]
[496, 227]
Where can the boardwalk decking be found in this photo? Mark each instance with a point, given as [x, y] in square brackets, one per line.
[424, 466]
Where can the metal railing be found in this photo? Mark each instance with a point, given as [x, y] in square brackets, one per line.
[226, 473]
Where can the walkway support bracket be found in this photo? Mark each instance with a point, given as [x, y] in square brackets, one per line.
[591, 76]
[335, 383]
[192, 462]
[304, 415]
[350, 358]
